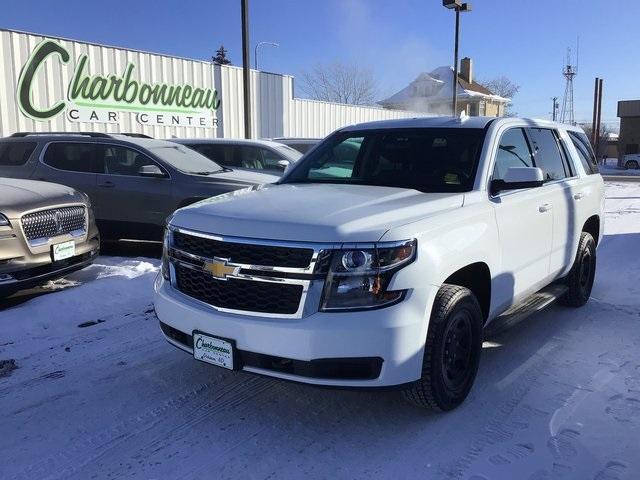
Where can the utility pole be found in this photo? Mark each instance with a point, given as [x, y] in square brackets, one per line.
[458, 6]
[246, 68]
[554, 111]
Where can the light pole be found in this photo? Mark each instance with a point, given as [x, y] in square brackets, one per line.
[458, 6]
[255, 51]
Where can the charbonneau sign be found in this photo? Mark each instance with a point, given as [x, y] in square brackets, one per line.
[100, 98]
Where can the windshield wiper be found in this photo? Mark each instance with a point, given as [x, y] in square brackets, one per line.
[205, 172]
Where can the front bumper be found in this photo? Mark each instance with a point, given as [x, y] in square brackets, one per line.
[23, 265]
[388, 342]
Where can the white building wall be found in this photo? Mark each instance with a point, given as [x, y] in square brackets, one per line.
[275, 111]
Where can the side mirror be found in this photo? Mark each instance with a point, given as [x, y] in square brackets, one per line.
[152, 171]
[284, 165]
[517, 178]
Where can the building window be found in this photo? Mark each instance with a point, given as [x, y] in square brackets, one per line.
[482, 109]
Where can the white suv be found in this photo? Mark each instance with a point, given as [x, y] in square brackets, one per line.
[378, 259]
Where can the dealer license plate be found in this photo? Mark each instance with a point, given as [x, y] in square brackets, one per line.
[62, 251]
[213, 350]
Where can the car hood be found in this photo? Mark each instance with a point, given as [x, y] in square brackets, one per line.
[245, 177]
[19, 196]
[313, 212]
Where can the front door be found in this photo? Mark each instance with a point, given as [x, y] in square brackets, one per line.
[129, 205]
[525, 226]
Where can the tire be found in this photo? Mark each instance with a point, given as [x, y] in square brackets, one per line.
[580, 279]
[632, 164]
[447, 376]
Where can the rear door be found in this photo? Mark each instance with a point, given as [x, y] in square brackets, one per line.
[525, 225]
[127, 204]
[69, 163]
[561, 184]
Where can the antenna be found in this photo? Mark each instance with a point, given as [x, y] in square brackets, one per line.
[569, 72]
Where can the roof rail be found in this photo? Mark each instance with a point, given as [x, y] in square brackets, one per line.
[86, 134]
[135, 135]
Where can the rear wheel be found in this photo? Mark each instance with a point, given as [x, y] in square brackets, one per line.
[580, 279]
[632, 164]
[452, 351]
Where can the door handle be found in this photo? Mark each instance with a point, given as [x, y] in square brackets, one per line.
[578, 196]
[545, 207]
[107, 184]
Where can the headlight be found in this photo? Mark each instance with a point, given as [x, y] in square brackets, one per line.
[4, 221]
[358, 278]
[164, 267]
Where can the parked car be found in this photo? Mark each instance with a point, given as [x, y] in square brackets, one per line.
[46, 232]
[393, 260]
[303, 145]
[248, 155]
[632, 161]
[134, 183]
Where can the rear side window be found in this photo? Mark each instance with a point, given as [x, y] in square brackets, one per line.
[513, 151]
[14, 154]
[585, 152]
[74, 157]
[547, 154]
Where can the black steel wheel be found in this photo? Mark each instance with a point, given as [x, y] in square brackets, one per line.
[452, 351]
[580, 279]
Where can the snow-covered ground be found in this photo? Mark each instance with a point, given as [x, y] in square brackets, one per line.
[98, 393]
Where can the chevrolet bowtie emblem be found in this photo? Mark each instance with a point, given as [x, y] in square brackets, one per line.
[220, 269]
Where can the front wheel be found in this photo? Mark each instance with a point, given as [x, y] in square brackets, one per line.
[451, 352]
[579, 281]
[632, 164]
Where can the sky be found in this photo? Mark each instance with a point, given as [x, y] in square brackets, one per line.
[524, 40]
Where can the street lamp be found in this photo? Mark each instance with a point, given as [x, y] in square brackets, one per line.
[255, 51]
[458, 6]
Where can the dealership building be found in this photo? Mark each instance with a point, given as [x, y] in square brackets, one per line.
[57, 84]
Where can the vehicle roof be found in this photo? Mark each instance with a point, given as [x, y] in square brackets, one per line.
[89, 137]
[453, 122]
[296, 139]
[227, 141]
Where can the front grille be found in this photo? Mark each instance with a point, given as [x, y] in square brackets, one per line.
[235, 294]
[53, 222]
[251, 254]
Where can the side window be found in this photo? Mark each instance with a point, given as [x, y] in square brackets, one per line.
[221, 154]
[249, 157]
[14, 154]
[513, 151]
[585, 152]
[117, 160]
[270, 160]
[547, 154]
[74, 157]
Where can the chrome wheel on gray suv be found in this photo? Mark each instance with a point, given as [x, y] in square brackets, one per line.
[632, 164]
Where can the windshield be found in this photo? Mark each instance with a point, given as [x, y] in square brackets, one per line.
[424, 159]
[186, 160]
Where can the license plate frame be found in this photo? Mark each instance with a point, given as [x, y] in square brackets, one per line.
[214, 354]
[63, 251]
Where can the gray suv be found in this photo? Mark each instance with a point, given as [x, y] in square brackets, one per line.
[133, 183]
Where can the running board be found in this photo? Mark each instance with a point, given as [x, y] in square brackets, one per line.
[532, 304]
